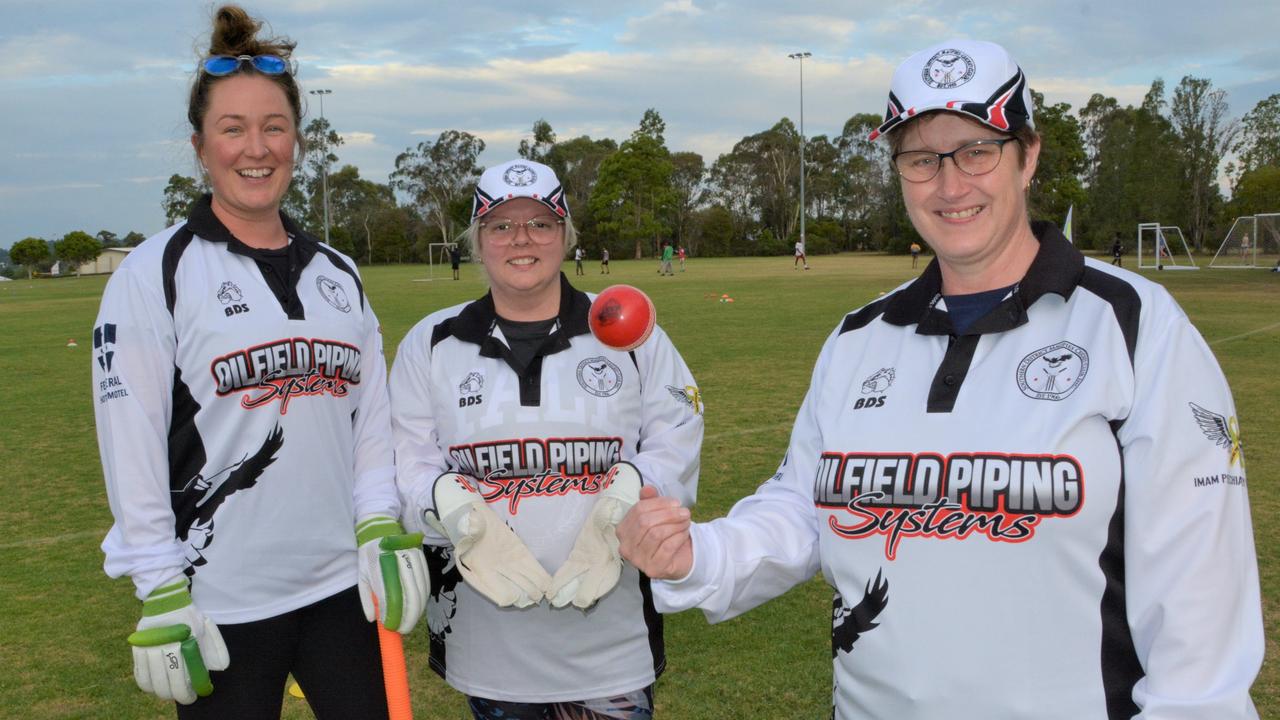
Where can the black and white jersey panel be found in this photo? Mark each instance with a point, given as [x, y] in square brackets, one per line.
[539, 440]
[1043, 517]
[243, 424]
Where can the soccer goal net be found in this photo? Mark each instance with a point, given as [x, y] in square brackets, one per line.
[1239, 249]
[1162, 247]
[437, 261]
[1267, 240]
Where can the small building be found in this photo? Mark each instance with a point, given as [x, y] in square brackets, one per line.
[107, 262]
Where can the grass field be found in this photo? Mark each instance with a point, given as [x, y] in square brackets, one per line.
[64, 623]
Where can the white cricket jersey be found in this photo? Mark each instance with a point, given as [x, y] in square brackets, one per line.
[1045, 517]
[241, 433]
[540, 443]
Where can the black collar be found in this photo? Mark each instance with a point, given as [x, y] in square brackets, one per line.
[1057, 268]
[476, 321]
[204, 223]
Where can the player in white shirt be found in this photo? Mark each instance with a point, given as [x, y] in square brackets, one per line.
[244, 428]
[513, 392]
[800, 256]
[1021, 472]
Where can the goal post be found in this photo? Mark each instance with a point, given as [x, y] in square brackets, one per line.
[1239, 249]
[1162, 247]
[437, 254]
[1267, 239]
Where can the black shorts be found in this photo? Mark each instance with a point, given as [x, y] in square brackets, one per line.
[329, 647]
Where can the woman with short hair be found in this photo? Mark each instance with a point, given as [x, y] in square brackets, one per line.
[1021, 471]
[521, 439]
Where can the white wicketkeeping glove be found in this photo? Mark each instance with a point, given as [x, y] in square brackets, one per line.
[392, 570]
[176, 646]
[489, 555]
[594, 564]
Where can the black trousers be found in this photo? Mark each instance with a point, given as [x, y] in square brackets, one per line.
[329, 647]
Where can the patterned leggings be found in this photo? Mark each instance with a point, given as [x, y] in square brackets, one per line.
[637, 705]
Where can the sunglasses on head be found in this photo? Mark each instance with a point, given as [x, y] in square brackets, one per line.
[219, 65]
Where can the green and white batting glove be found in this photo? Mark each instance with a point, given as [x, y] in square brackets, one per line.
[393, 571]
[594, 564]
[176, 646]
[490, 556]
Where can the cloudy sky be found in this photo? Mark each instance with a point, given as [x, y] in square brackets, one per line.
[93, 118]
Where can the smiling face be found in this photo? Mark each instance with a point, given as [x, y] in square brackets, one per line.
[977, 225]
[246, 145]
[524, 276]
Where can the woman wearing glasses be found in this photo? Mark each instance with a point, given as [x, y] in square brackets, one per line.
[244, 427]
[1021, 471]
[514, 393]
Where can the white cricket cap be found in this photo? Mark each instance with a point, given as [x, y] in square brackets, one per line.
[971, 77]
[518, 179]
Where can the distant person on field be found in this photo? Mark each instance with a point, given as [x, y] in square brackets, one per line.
[1116, 252]
[1244, 245]
[800, 258]
[680, 253]
[667, 253]
[577, 261]
[604, 261]
[915, 254]
[455, 259]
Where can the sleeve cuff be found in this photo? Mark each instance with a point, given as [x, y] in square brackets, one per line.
[687, 592]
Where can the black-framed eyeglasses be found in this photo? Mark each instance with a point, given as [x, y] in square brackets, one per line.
[220, 65]
[541, 230]
[976, 158]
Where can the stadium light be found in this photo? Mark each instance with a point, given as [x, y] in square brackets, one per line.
[324, 166]
[801, 56]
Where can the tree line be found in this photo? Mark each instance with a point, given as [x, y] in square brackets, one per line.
[1159, 161]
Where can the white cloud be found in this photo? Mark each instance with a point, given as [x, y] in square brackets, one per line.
[356, 138]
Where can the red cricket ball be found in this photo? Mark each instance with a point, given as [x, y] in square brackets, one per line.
[622, 317]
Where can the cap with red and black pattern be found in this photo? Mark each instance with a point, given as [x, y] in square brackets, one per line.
[972, 77]
[516, 179]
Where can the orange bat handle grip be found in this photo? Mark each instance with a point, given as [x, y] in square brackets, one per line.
[395, 676]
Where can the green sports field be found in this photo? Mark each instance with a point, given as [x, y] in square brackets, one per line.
[64, 623]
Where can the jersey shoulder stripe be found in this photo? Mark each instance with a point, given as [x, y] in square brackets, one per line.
[862, 317]
[173, 251]
[1123, 299]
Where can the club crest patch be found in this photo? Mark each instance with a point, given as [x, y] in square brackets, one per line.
[599, 376]
[948, 69]
[1222, 431]
[1054, 372]
[333, 294]
[519, 176]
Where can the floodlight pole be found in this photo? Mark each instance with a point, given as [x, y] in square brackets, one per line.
[801, 56]
[324, 165]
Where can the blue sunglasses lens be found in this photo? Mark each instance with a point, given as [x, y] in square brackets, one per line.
[227, 64]
[221, 65]
[270, 64]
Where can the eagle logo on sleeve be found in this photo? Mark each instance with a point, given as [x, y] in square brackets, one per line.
[1222, 431]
